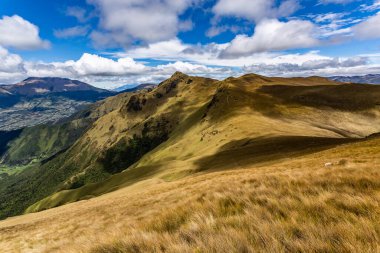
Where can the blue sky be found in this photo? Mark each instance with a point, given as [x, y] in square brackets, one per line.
[110, 43]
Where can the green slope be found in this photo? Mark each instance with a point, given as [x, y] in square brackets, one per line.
[193, 125]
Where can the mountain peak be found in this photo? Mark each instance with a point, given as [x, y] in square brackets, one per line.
[45, 85]
[179, 75]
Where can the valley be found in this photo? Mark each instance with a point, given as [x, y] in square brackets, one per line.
[37, 101]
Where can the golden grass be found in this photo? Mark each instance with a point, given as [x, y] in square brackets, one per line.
[297, 205]
[266, 213]
[231, 178]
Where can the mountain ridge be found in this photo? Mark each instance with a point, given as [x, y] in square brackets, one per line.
[365, 79]
[193, 119]
[33, 86]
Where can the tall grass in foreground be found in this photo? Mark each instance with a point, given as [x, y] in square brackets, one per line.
[326, 210]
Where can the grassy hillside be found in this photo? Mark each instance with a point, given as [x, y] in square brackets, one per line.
[238, 121]
[126, 129]
[190, 125]
[44, 141]
[296, 204]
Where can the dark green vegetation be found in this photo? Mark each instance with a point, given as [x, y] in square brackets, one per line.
[127, 152]
[5, 138]
[41, 142]
[185, 125]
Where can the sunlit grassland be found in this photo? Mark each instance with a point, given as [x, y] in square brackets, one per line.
[295, 205]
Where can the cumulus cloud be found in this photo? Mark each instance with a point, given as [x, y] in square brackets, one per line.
[90, 64]
[9, 63]
[79, 13]
[326, 67]
[111, 73]
[186, 67]
[19, 33]
[122, 22]
[272, 35]
[209, 54]
[174, 50]
[255, 10]
[368, 29]
[11, 66]
[310, 67]
[100, 71]
[76, 31]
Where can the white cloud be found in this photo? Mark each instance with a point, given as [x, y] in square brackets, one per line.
[111, 73]
[368, 29]
[165, 50]
[307, 68]
[336, 1]
[174, 50]
[99, 71]
[19, 33]
[90, 64]
[75, 31]
[216, 30]
[11, 66]
[144, 20]
[255, 10]
[273, 35]
[371, 7]
[334, 25]
[186, 67]
[79, 13]
[9, 63]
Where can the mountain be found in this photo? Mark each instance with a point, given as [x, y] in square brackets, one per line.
[37, 101]
[43, 141]
[127, 88]
[35, 86]
[263, 160]
[4, 93]
[370, 79]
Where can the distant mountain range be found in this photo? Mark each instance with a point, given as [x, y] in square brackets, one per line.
[35, 86]
[40, 100]
[369, 79]
[127, 88]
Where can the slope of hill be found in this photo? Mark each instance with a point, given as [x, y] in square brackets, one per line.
[41, 142]
[193, 121]
[188, 127]
[296, 204]
[368, 79]
[40, 100]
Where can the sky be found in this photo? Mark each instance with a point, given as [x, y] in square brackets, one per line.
[111, 43]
